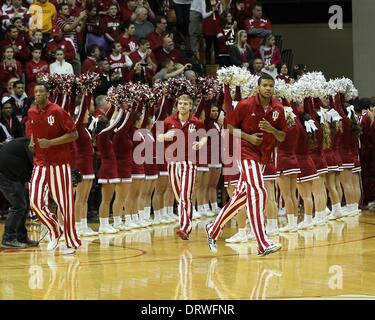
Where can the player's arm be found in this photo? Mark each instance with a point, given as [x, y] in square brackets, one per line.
[267, 127]
[65, 138]
[32, 144]
[256, 139]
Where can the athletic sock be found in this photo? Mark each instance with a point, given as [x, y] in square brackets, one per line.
[214, 206]
[272, 224]
[242, 232]
[308, 219]
[147, 214]
[128, 218]
[84, 223]
[117, 220]
[290, 220]
[104, 222]
[157, 214]
[169, 210]
[206, 207]
[201, 209]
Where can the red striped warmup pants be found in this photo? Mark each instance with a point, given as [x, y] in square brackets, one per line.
[56, 181]
[250, 190]
[182, 178]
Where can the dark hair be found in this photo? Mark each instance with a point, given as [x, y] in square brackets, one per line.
[91, 49]
[113, 45]
[265, 76]
[44, 84]
[257, 4]
[365, 103]
[137, 117]
[37, 47]
[165, 62]
[143, 41]
[10, 27]
[125, 26]
[61, 5]
[60, 49]
[372, 101]
[159, 18]
[15, 83]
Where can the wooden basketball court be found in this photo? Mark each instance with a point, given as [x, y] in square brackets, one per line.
[335, 261]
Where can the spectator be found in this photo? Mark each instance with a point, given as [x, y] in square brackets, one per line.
[284, 74]
[257, 67]
[170, 70]
[107, 79]
[9, 87]
[91, 62]
[20, 47]
[95, 31]
[20, 100]
[142, 26]
[182, 9]
[298, 71]
[211, 25]
[127, 9]
[271, 56]
[169, 51]
[101, 106]
[118, 62]
[241, 54]
[8, 118]
[70, 26]
[156, 37]
[60, 66]
[226, 38]
[242, 10]
[191, 76]
[58, 41]
[128, 41]
[111, 23]
[22, 30]
[104, 6]
[42, 14]
[36, 40]
[257, 27]
[9, 68]
[16, 10]
[147, 63]
[34, 68]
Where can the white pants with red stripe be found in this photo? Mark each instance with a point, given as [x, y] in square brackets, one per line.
[182, 178]
[250, 190]
[56, 181]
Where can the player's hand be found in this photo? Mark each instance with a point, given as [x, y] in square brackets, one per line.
[197, 145]
[169, 135]
[256, 139]
[32, 147]
[44, 143]
[266, 126]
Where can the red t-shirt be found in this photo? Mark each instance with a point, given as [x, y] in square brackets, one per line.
[253, 41]
[247, 115]
[129, 44]
[50, 123]
[184, 144]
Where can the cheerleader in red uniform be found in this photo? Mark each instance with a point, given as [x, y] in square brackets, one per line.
[334, 162]
[317, 156]
[108, 173]
[231, 172]
[287, 167]
[349, 128]
[83, 154]
[306, 164]
[123, 148]
[213, 156]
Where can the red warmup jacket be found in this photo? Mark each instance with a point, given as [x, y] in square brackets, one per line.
[90, 65]
[66, 44]
[23, 53]
[254, 41]
[33, 69]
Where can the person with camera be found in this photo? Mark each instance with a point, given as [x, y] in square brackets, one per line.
[171, 70]
[16, 165]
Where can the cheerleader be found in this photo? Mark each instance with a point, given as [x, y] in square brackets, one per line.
[308, 170]
[108, 173]
[288, 169]
[123, 148]
[83, 156]
[214, 163]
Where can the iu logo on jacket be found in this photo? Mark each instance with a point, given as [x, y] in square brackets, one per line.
[51, 120]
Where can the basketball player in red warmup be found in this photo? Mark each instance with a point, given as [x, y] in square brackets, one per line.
[261, 121]
[52, 130]
[182, 166]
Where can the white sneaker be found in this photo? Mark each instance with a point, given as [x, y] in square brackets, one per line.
[319, 222]
[121, 226]
[303, 225]
[88, 232]
[107, 230]
[68, 251]
[337, 215]
[164, 219]
[53, 244]
[237, 238]
[196, 215]
[250, 236]
[173, 216]
[288, 228]
[209, 214]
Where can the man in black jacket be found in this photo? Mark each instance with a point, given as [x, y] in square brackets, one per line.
[16, 165]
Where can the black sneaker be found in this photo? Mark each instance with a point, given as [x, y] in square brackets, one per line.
[13, 244]
[211, 242]
[29, 242]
